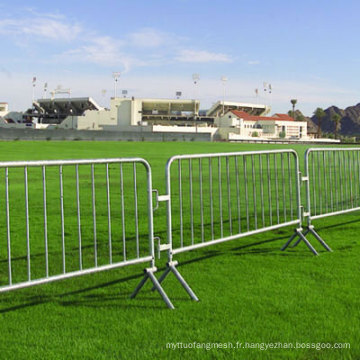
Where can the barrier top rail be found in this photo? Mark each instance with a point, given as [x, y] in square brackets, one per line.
[223, 154]
[72, 162]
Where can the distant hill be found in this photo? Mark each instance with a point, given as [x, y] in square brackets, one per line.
[349, 124]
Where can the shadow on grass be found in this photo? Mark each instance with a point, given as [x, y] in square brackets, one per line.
[123, 299]
[93, 300]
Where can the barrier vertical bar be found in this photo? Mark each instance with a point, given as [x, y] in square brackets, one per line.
[262, 191]
[62, 218]
[78, 214]
[191, 202]
[201, 201]
[109, 212]
[94, 212]
[228, 194]
[238, 192]
[123, 228]
[180, 203]
[283, 186]
[254, 191]
[246, 194]
[220, 198]
[211, 199]
[269, 187]
[8, 232]
[45, 223]
[290, 187]
[136, 213]
[27, 223]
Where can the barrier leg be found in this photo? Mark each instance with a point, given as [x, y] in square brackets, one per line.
[299, 240]
[318, 237]
[303, 238]
[294, 236]
[163, 276]
[298, 233]
[171, 267]
[184, 284]
[149, 274]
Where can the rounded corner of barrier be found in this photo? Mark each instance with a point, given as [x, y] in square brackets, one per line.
[294, 152]
[145, 163]
[170, 161]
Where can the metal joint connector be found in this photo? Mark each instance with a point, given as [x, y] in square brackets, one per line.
[159, 198]
[161, 247]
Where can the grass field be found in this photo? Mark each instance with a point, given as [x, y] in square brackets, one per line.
[250, 291]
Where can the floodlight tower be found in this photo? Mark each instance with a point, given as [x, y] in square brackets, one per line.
[116, 76]
[178, 94]
[33, 90]
[224, 79]
[196, 78]
[45, 90]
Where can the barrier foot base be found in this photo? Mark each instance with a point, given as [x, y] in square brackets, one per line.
[171, 267]
[310, 229]
[298, 234]
[318, 238]
[149, 274]
[298, 241]
[294, 236]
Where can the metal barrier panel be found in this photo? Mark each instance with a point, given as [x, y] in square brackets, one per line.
[66, 218]
[213, 198]
[333, 185]
[220, 197]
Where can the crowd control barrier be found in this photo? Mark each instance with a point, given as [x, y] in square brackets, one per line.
[66, 218]
[214, 198]
[91, 214]
[332, 185]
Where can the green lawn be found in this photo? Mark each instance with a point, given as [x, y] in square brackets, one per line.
[250, 291]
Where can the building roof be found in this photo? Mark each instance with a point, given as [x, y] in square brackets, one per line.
[277, 117]
[255, 109]
[66, 106]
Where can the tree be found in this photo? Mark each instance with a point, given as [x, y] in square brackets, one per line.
[336, 118]
[293, 102]
[320, 114]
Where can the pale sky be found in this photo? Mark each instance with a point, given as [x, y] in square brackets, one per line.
[305, 49]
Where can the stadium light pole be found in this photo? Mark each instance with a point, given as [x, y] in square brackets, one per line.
[224, 79]
[116, 75]
[196, 78]
[45, 90]
[33, 88]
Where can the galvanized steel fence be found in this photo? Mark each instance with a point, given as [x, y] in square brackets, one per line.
[211, 198]
[214, 198]
[332, 177]
[110, 226]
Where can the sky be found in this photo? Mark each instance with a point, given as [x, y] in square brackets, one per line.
[307, 50]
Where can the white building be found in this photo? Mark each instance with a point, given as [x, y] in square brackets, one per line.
[239, 124]
[4, 108]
